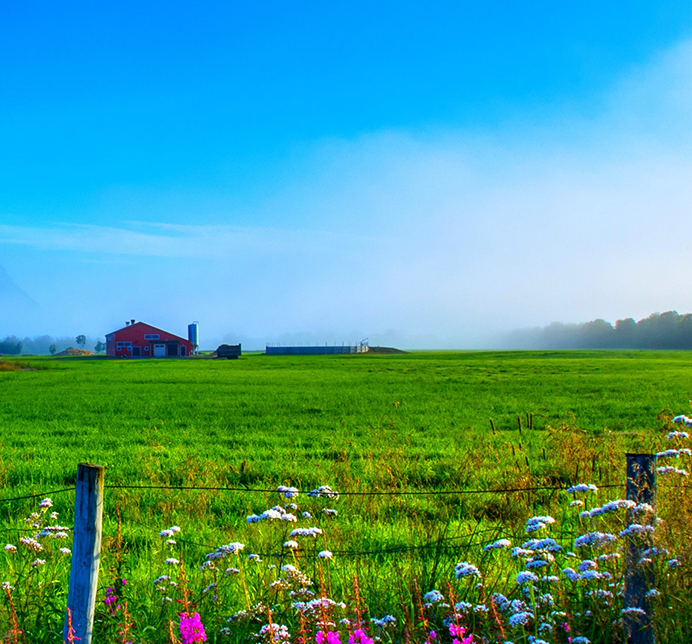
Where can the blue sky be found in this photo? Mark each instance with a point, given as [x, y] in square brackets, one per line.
[427, 174]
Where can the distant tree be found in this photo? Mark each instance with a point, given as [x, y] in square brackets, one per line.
[52, 348]
[626, 334]
[597, 334]
[100, 347]
[81, 340]
[11, 346]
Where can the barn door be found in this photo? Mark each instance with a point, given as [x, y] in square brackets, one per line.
[159, 350]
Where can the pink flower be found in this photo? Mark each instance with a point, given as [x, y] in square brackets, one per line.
[191, 629]
[330, 637]
[111, 601]
[359, 636]
[458, 632]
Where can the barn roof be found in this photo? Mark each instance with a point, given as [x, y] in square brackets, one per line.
[149, 326]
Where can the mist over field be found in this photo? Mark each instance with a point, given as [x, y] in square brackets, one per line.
[419, 238]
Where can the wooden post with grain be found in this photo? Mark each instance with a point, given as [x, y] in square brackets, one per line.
[86, 553]
[641, 488]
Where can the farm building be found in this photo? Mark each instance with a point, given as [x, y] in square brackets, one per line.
[315, 350]
[140, 340]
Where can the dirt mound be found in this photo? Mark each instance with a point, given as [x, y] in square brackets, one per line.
[75, 352]
[388, 350]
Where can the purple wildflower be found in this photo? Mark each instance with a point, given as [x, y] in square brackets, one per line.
[359, 636]
[111, 601]
[330, 637]
[191, 629]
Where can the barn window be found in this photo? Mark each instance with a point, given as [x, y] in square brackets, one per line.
[151, 336]
[146, 348]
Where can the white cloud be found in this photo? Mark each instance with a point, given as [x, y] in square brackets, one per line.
[160, 239]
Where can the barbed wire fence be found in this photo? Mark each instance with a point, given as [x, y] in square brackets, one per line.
[89, 502]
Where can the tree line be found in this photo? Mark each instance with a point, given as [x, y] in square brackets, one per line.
[669, 330]
[46, 344]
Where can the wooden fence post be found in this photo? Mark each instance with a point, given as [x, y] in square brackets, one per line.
[86, 553]
[641, 488]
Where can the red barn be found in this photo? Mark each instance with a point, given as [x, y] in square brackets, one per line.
[140, 340]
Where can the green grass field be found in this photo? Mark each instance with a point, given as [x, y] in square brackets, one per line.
[358, 423]
[307, 420]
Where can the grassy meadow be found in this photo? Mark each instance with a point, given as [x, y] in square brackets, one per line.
[436, 422]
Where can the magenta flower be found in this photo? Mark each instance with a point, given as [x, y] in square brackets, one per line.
[330, 637]
[191, 629]
[359, 636]
[458, 632]
[111, 601]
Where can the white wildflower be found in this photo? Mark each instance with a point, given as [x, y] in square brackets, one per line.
[465, 569]
[324, 491]
[305, 532]
[549, 545]
[673, 435]
[520, 552]
[325, 554]
[582, 487]
[433, 597]
[595, 539]
[500, 543]
[385, 621]
[636, 528]
[538, 523]
[633, 610]
[669, 469]
[288, 492]
[525, 576]
[520, 619]
[31, 544]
